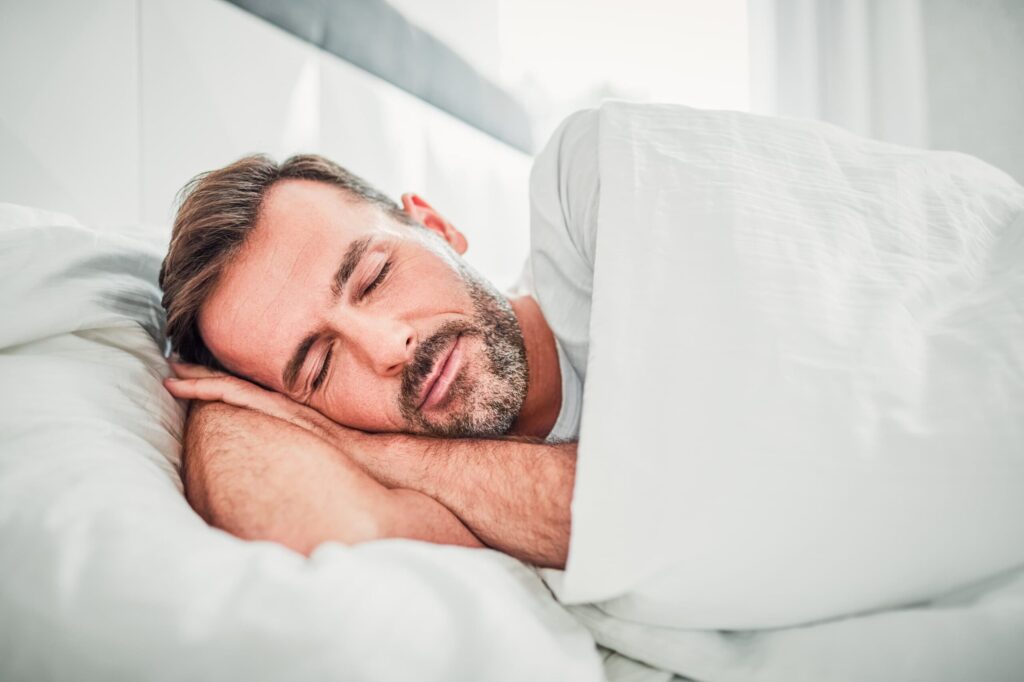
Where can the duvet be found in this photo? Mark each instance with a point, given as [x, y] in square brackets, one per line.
[815, 470]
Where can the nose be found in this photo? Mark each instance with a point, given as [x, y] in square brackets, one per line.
[385, 344]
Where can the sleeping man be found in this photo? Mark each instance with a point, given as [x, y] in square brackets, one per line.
[358, 380]
[776, 347]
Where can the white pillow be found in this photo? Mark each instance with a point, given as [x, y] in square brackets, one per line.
[108, 574]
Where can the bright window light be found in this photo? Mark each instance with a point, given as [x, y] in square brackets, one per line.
[561, 55]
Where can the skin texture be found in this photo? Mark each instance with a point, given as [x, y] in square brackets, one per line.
[407, 298]
[263, 478]
[362, 469]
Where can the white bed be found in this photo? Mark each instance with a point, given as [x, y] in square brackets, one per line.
[108, 574]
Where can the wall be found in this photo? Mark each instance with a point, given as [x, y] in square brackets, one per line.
[110, 106]
[69, 108]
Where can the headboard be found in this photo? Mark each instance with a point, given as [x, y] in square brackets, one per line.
[110, 106]
[374, 36]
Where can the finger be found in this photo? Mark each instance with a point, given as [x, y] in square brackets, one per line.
[233, 391]
[223, 389]
[241, 393]
[185, 370]
[195, 389]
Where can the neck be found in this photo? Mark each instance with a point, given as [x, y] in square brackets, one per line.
[544, 392]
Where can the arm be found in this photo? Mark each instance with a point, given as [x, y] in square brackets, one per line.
[513, 495]
[261, 478]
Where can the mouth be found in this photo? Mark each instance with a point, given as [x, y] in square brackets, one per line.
[436, 387]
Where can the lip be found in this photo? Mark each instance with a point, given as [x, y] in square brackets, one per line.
[435, 388]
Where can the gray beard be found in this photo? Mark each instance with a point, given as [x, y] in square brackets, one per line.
[480, 412]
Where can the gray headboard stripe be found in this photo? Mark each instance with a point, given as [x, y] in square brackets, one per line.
[375, 37]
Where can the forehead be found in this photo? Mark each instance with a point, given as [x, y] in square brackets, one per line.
[293, 209]
[268, 294]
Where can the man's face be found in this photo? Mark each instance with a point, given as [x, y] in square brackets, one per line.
[378, 325]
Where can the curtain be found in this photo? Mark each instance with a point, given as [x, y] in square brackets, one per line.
[857, 63]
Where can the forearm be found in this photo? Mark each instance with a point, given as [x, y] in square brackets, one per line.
[513, 495]
[415, 516]
[260, 478]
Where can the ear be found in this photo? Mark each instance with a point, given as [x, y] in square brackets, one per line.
[423, 213]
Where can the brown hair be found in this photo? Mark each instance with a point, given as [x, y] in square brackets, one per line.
[216, 211]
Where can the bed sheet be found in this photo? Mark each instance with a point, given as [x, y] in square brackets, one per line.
[973, 634]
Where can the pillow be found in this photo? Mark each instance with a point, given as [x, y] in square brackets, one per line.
[108, 574]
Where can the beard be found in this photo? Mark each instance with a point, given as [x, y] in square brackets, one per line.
[487, 401]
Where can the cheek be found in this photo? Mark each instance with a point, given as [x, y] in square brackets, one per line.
[424, 283]
[360, 401]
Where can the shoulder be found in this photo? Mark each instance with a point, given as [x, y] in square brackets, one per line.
[573, 143]
[565, 184]
[578, 128]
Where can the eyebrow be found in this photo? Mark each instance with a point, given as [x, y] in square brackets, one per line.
[348, 265]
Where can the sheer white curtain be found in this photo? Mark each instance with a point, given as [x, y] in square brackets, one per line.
[857, 63]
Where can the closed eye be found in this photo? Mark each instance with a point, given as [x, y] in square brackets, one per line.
[377, 280]
[322, 375]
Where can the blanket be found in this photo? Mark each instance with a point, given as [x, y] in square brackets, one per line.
[805, 390]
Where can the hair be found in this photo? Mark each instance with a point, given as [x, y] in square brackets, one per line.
[216, 211]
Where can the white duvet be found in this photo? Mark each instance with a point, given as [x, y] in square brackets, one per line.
[804, 406]
[108, 575]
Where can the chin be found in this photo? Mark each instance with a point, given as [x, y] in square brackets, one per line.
[479, 405]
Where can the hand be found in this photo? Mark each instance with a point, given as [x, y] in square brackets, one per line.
[299, 487]
[195, 382]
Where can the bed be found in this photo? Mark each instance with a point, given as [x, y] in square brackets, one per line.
[107, 572]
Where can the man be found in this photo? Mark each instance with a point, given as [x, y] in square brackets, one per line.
[786, 336]
[357, 379]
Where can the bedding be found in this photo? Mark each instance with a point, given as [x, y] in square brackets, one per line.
[971, 634]
[842, 498]
[835, 423]
[109, 575]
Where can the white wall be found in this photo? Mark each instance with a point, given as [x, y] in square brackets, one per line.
[110, 106]
[207, 100]
[69, 107]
